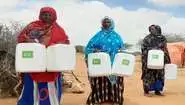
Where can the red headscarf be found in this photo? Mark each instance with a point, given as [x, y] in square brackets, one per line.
[57, 33]
[57, 36]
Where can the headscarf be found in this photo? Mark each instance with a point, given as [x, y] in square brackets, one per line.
[56, 33]
[50, 11]
[111, 22]
[157, 29]
[149, 28]
[53, 30]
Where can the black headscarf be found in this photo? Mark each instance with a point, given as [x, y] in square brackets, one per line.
[157, 29]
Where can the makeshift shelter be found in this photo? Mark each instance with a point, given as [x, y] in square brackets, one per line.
[177, 53]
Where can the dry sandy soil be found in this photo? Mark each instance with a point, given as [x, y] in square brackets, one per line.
[133, 95]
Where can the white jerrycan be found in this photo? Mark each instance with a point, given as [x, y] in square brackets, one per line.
[99, 64]
[30, 57]
[124, 64]
[170, 71]
[155, 59]
[61, 57]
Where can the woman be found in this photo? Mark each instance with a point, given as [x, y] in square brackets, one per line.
[153, 80]
[42, 88]
[106, 89]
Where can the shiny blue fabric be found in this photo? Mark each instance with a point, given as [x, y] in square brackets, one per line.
[108, 41]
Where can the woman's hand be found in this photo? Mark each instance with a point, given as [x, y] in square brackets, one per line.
[31, 41]
[60, 43]
[120, 50]
[96, 50]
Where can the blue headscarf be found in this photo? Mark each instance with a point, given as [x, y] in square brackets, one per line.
[106, 40]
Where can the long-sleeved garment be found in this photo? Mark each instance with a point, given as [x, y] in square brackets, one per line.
[43, 88]
[153, 80]
[106, 89]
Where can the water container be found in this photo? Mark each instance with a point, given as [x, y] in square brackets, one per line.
[99, 64]
[30, 57]
[61, 57]
[155, 59]
[123, 64]
[170, 71]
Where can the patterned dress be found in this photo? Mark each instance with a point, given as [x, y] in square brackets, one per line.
[153, 80]
[110, 88]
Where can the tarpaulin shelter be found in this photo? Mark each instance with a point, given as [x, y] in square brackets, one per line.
[177, 53]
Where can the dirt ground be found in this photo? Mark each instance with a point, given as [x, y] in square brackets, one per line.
[133, 94]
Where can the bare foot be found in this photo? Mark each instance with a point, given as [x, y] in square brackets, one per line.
[147, 95]
[158, 93]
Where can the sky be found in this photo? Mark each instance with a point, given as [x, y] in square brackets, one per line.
[81, 19]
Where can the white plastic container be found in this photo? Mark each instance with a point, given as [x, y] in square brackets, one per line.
[155, 59]
[30, 57]
[170, 71]
[99, 64]
[61, 57]
[123, 64]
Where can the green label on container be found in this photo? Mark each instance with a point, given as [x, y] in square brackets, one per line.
[27, 54]
[155, 56]
[125, 62]
[96, 62]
